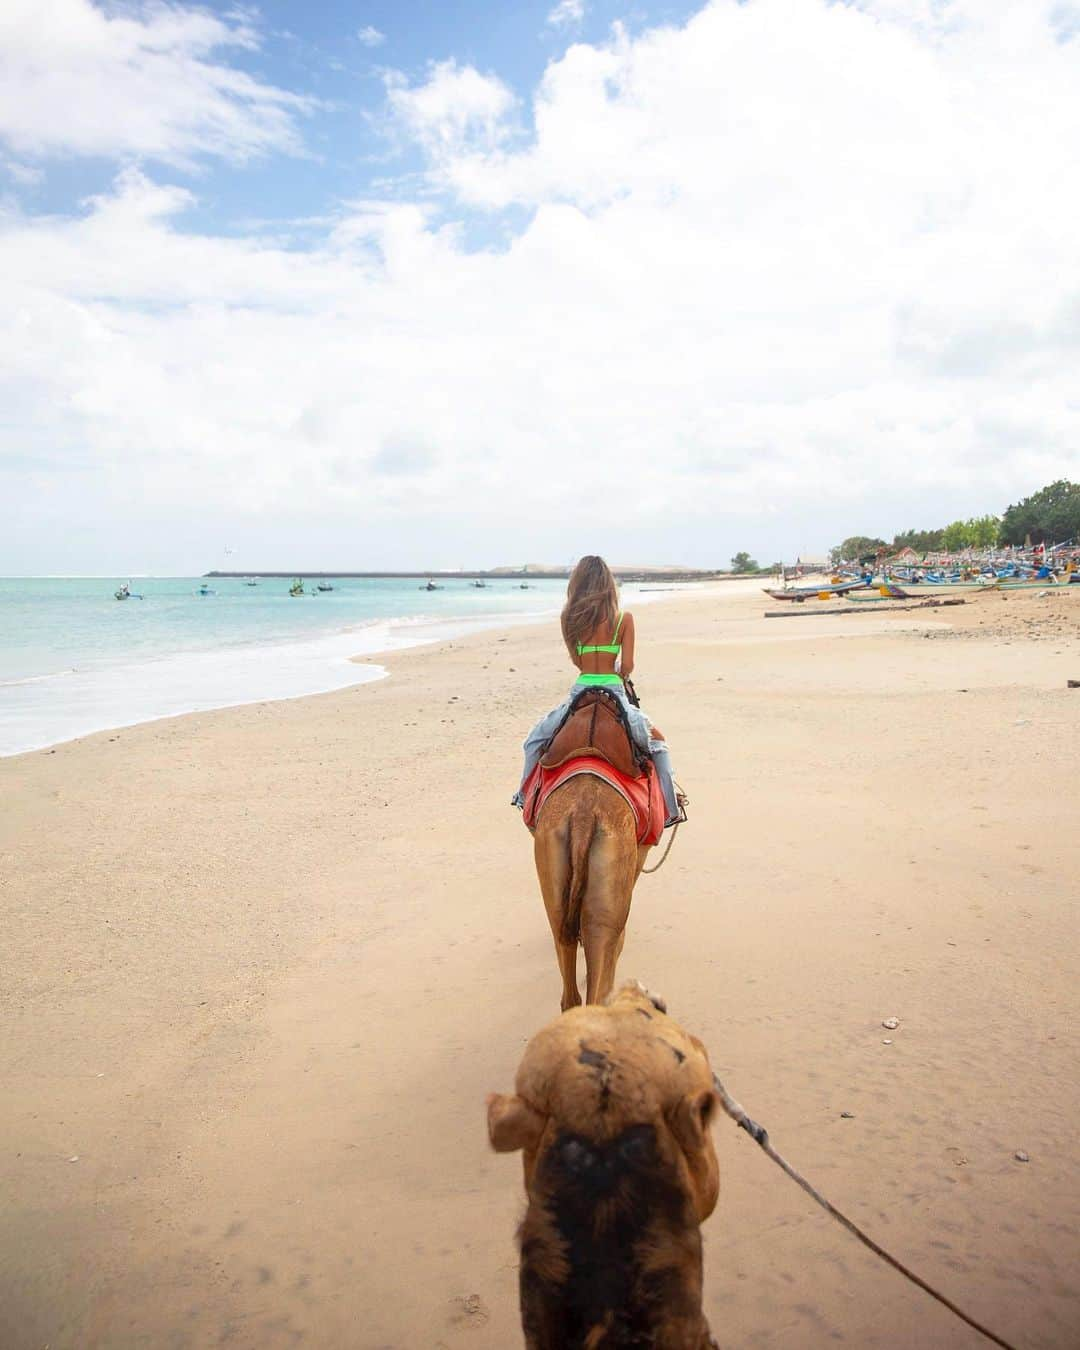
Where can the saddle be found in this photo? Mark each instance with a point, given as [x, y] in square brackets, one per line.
[596, 726]
[642, 794]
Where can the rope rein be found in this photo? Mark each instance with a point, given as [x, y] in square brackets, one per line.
[674, 831]
[683, 799]
[760, 1135]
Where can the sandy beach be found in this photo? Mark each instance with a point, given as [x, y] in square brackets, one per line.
[259, 969]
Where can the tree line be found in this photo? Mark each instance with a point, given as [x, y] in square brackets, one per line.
[1049, 516]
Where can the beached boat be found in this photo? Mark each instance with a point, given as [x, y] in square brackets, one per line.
[889, 590]
[828, 589]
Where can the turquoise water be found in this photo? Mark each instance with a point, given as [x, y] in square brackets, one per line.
[74, 660]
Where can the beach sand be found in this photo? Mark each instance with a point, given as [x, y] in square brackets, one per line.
[260, 967]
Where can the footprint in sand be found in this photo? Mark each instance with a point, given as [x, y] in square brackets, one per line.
[470, 1310]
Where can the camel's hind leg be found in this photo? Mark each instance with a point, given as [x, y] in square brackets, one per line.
[553, 870]
[605, 910]
[566, 953]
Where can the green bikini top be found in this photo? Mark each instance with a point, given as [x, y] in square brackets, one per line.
[614, 646]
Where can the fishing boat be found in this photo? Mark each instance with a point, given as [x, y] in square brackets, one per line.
[250, 581]
[204, 589]
[297, 588]
[324, 586]
[480, 585]
[889, 590]
[126, 593]
[801, 593]
[431, 586]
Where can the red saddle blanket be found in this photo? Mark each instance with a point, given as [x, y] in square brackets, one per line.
[643, 795]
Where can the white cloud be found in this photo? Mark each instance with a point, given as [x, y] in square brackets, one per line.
[456, 110]
[370, 36]
[147, 80]
[567, 13]
[787, 271]
[25, 175]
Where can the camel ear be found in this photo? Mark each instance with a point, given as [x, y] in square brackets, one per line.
[512, 1123]
[691, 1118]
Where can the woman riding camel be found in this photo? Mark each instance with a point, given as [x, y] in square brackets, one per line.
[600, 640]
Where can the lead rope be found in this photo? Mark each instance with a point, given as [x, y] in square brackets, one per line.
[682, 799]
[760, 1135]
[674, 831]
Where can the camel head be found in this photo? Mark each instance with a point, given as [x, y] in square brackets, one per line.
[612, 1110]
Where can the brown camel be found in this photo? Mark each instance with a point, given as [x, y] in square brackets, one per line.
[612, 1108]
[587, 860]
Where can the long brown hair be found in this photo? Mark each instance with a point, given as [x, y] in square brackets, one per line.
[592, 600]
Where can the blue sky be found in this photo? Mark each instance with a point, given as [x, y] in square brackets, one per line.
[339, 55]
[421, 285]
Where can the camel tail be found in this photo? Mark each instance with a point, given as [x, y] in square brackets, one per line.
[582, 829]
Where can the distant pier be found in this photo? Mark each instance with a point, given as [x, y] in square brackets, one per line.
[627, 574]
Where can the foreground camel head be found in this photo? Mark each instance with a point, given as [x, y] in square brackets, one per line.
[612, 1112]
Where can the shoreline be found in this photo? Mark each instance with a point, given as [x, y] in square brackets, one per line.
[528, 573]
[265, 963]
[284, 668]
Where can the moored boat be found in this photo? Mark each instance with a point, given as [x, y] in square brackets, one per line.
[801, 593]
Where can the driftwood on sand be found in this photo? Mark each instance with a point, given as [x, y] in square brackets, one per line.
[886, 609]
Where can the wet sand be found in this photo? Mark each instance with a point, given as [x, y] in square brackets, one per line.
[257, 979]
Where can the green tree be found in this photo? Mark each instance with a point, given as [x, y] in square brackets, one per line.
[922, 541]
[1049, 516]
[957, 536]
[984, 531]
[742, 562]
[859, 548]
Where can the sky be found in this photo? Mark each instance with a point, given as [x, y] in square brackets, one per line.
[416, 285]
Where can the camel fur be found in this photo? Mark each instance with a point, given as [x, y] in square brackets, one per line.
[612, 1109]
[587, 861]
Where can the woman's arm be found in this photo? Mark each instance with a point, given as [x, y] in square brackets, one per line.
[626, 637]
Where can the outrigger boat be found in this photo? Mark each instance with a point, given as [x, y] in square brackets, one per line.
[801, 593]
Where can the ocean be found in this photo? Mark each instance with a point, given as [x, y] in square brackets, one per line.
[75, 660]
